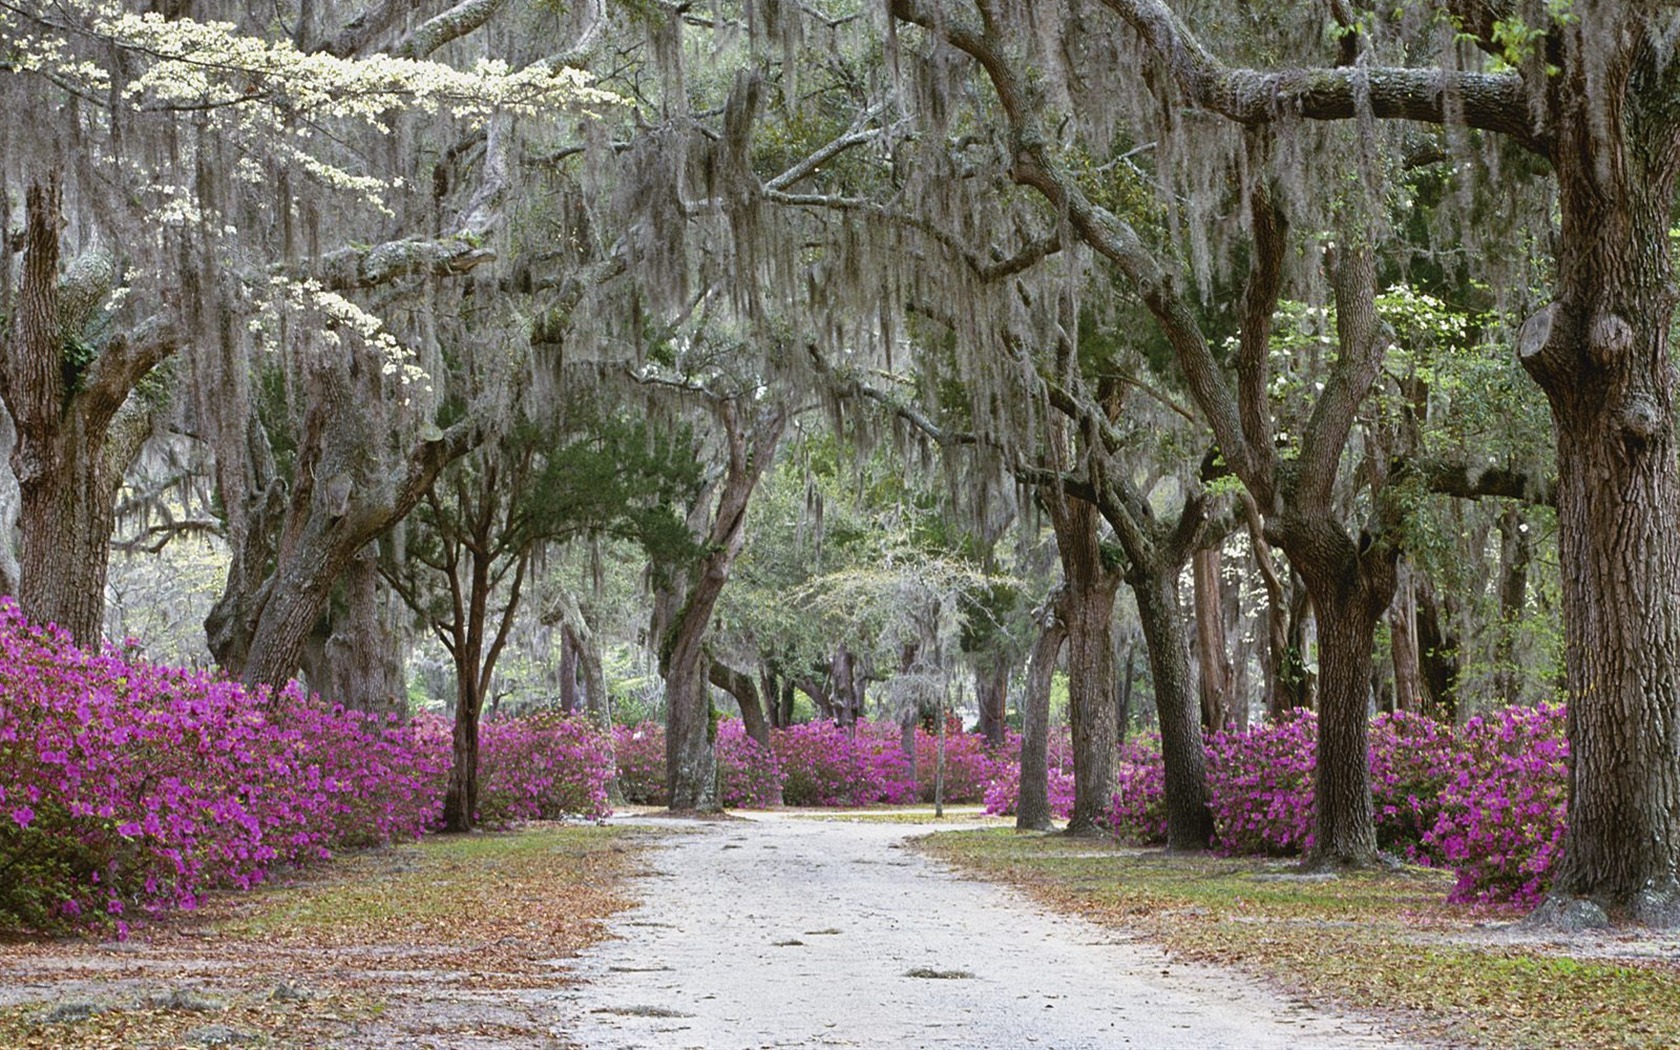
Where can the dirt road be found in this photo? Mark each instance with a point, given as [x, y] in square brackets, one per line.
[781, 931]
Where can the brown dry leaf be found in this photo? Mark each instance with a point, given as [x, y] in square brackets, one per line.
[418, 945]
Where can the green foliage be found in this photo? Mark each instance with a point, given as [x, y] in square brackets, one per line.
[619, 477]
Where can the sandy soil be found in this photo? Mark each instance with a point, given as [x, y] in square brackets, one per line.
[775, 931]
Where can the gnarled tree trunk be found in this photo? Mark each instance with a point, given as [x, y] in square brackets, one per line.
[73, 443]
[691, 728]
[1189, 820]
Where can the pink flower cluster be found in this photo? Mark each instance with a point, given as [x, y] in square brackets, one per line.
[749, 774]
[640, 752]
[1139, 811]
[824, 765]
[1489, 800]
[1261, 781]
[817, 764]
[970, 765]
[541, 767]
[129, 787]
[1502, 815]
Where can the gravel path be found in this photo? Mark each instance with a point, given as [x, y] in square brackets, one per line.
[777, 931]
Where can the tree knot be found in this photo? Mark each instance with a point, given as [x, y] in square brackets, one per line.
[1609, 338]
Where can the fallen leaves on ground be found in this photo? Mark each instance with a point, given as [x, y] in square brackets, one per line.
[1372, 941]
[450, 942]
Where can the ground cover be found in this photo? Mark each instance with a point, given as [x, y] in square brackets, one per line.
[447, 942]
[1374, 941]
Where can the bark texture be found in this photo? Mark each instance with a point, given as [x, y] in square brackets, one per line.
[79, 424]
[1032, 804]
[1091, 579]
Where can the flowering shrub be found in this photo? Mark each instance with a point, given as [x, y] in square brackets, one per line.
[129, 787]
[748, 773]
[640, 750]
[822, 765]
[541, 767]
[1413, 758]
[1139, 811]
[1501, 820]
[1261, 780]
[969, 764]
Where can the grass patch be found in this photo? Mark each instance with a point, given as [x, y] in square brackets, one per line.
[1385, 940]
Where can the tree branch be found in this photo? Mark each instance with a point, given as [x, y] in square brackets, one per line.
[1489, 101]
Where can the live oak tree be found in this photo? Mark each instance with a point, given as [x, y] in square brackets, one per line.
[1588, 89]
[169, 127]
[1351, 577]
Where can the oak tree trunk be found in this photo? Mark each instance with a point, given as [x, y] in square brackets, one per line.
[1403, 644]
[1091, 580]
[991, 690]
[73, 441]
[1189, 820]
[691, 726]
[1601, 354]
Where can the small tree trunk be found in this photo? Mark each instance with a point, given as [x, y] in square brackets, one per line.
[460, 799]
[1090, 660]
[1437, 653]
[991, 692]
[1300, 684]
[1515, 554]
[1032, 804]
[1402, 622]
[1123, 702]
[568, 672]
[1211, 657]
[842, 672]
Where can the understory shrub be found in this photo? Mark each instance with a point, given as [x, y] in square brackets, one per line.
[749, 776]
[1502, 816]
[640, 751]
[1413, 758]
[970, 765]
[824, 765]
[1488, 801]
[1261, 780]
[1139, 811]
[128, 787]
[541, 766]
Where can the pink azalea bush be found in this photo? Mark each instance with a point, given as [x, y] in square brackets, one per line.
[1139, 811]
[823, 765]
[970, 766]
[640, 750]
[1502, 816]
[1413, 758]
[128, 787]
[1261, 780]
[1489, 801]
[749, 775]
[541, 767]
